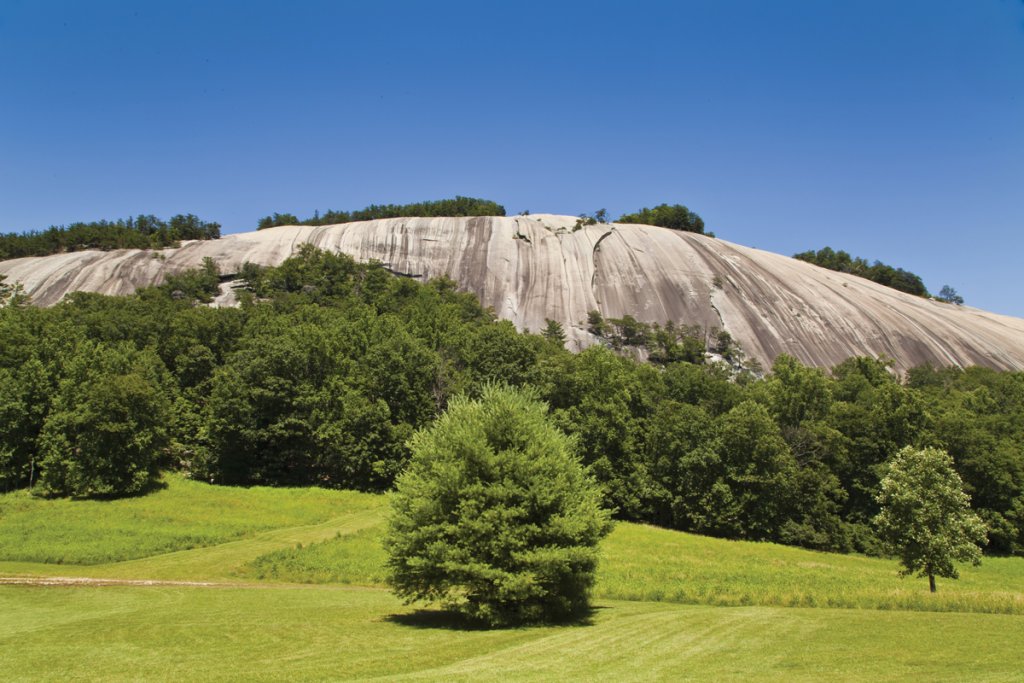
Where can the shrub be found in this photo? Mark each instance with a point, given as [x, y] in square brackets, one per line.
[495, 518]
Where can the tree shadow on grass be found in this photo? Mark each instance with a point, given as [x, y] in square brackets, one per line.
[151, 487]
[453, 621]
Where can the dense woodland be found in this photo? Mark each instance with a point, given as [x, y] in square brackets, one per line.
[140, 232]
[841, 261]
[460, 206]
[674, 217]
[327, 368]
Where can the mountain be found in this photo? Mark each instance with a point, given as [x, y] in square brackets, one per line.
[529, 268]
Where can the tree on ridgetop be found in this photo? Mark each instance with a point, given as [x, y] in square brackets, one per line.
[276, 220]
[675, 217]
[950, 296]
[926, 516]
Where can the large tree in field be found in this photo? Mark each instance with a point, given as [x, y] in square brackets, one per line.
[495, 518]
[926, 517]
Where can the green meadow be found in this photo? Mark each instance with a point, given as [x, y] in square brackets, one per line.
[296, 593]
[181, 514]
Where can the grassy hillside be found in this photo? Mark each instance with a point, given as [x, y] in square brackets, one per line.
[182, 514]
[650, 564]
[319, 536]
[255, 623]
[647, 563]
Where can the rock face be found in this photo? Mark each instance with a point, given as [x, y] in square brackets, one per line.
[529, 268]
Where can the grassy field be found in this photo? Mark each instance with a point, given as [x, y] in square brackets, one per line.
[655, 565]
[277, 633]
[647, 563]
[184, 514]
[346, 559]
[258, 622]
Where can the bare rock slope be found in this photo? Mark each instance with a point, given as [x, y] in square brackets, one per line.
[529, 268]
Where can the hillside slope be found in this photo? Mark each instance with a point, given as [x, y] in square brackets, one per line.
[529, 268]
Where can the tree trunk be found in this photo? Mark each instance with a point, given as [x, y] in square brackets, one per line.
[931, 582]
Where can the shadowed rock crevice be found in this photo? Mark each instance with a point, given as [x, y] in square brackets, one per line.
[595, 252]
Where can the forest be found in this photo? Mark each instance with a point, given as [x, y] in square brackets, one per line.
[328, 367]
[674, 217]
[890, 276]
[140, 232]
[459, 206]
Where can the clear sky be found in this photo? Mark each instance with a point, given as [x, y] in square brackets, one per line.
[893, 129]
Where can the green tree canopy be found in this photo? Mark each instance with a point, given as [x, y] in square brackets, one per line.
[11, 294]
[926, 517]
[459, 206]
[140, 232]
[675, 217]
[495, 517]
[883, 274]
[108, 424]
[553, 332]
[949, 295]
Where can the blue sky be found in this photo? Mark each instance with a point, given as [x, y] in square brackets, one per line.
[894, 130]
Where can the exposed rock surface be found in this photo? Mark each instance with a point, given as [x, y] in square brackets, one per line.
[529, 268]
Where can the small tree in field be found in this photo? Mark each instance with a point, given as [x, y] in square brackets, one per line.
[495, 518]
[926, 517]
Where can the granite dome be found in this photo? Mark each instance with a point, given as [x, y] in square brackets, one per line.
[529, 268]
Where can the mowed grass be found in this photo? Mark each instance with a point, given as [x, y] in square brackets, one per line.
[317, 633]
[265, 626]
[184, 514]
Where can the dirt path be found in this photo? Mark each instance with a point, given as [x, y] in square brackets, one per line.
[87, 581]
[92, 582]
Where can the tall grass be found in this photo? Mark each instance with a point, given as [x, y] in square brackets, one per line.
[638, 562]
[347, 559]
[650, 564]
[647, 563]
[185, 514]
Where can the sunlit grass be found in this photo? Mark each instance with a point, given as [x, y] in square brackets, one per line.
[352, 559]
[185, 514]
[340, 544]
[265, 627]
[646, 563]
[280, 633]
